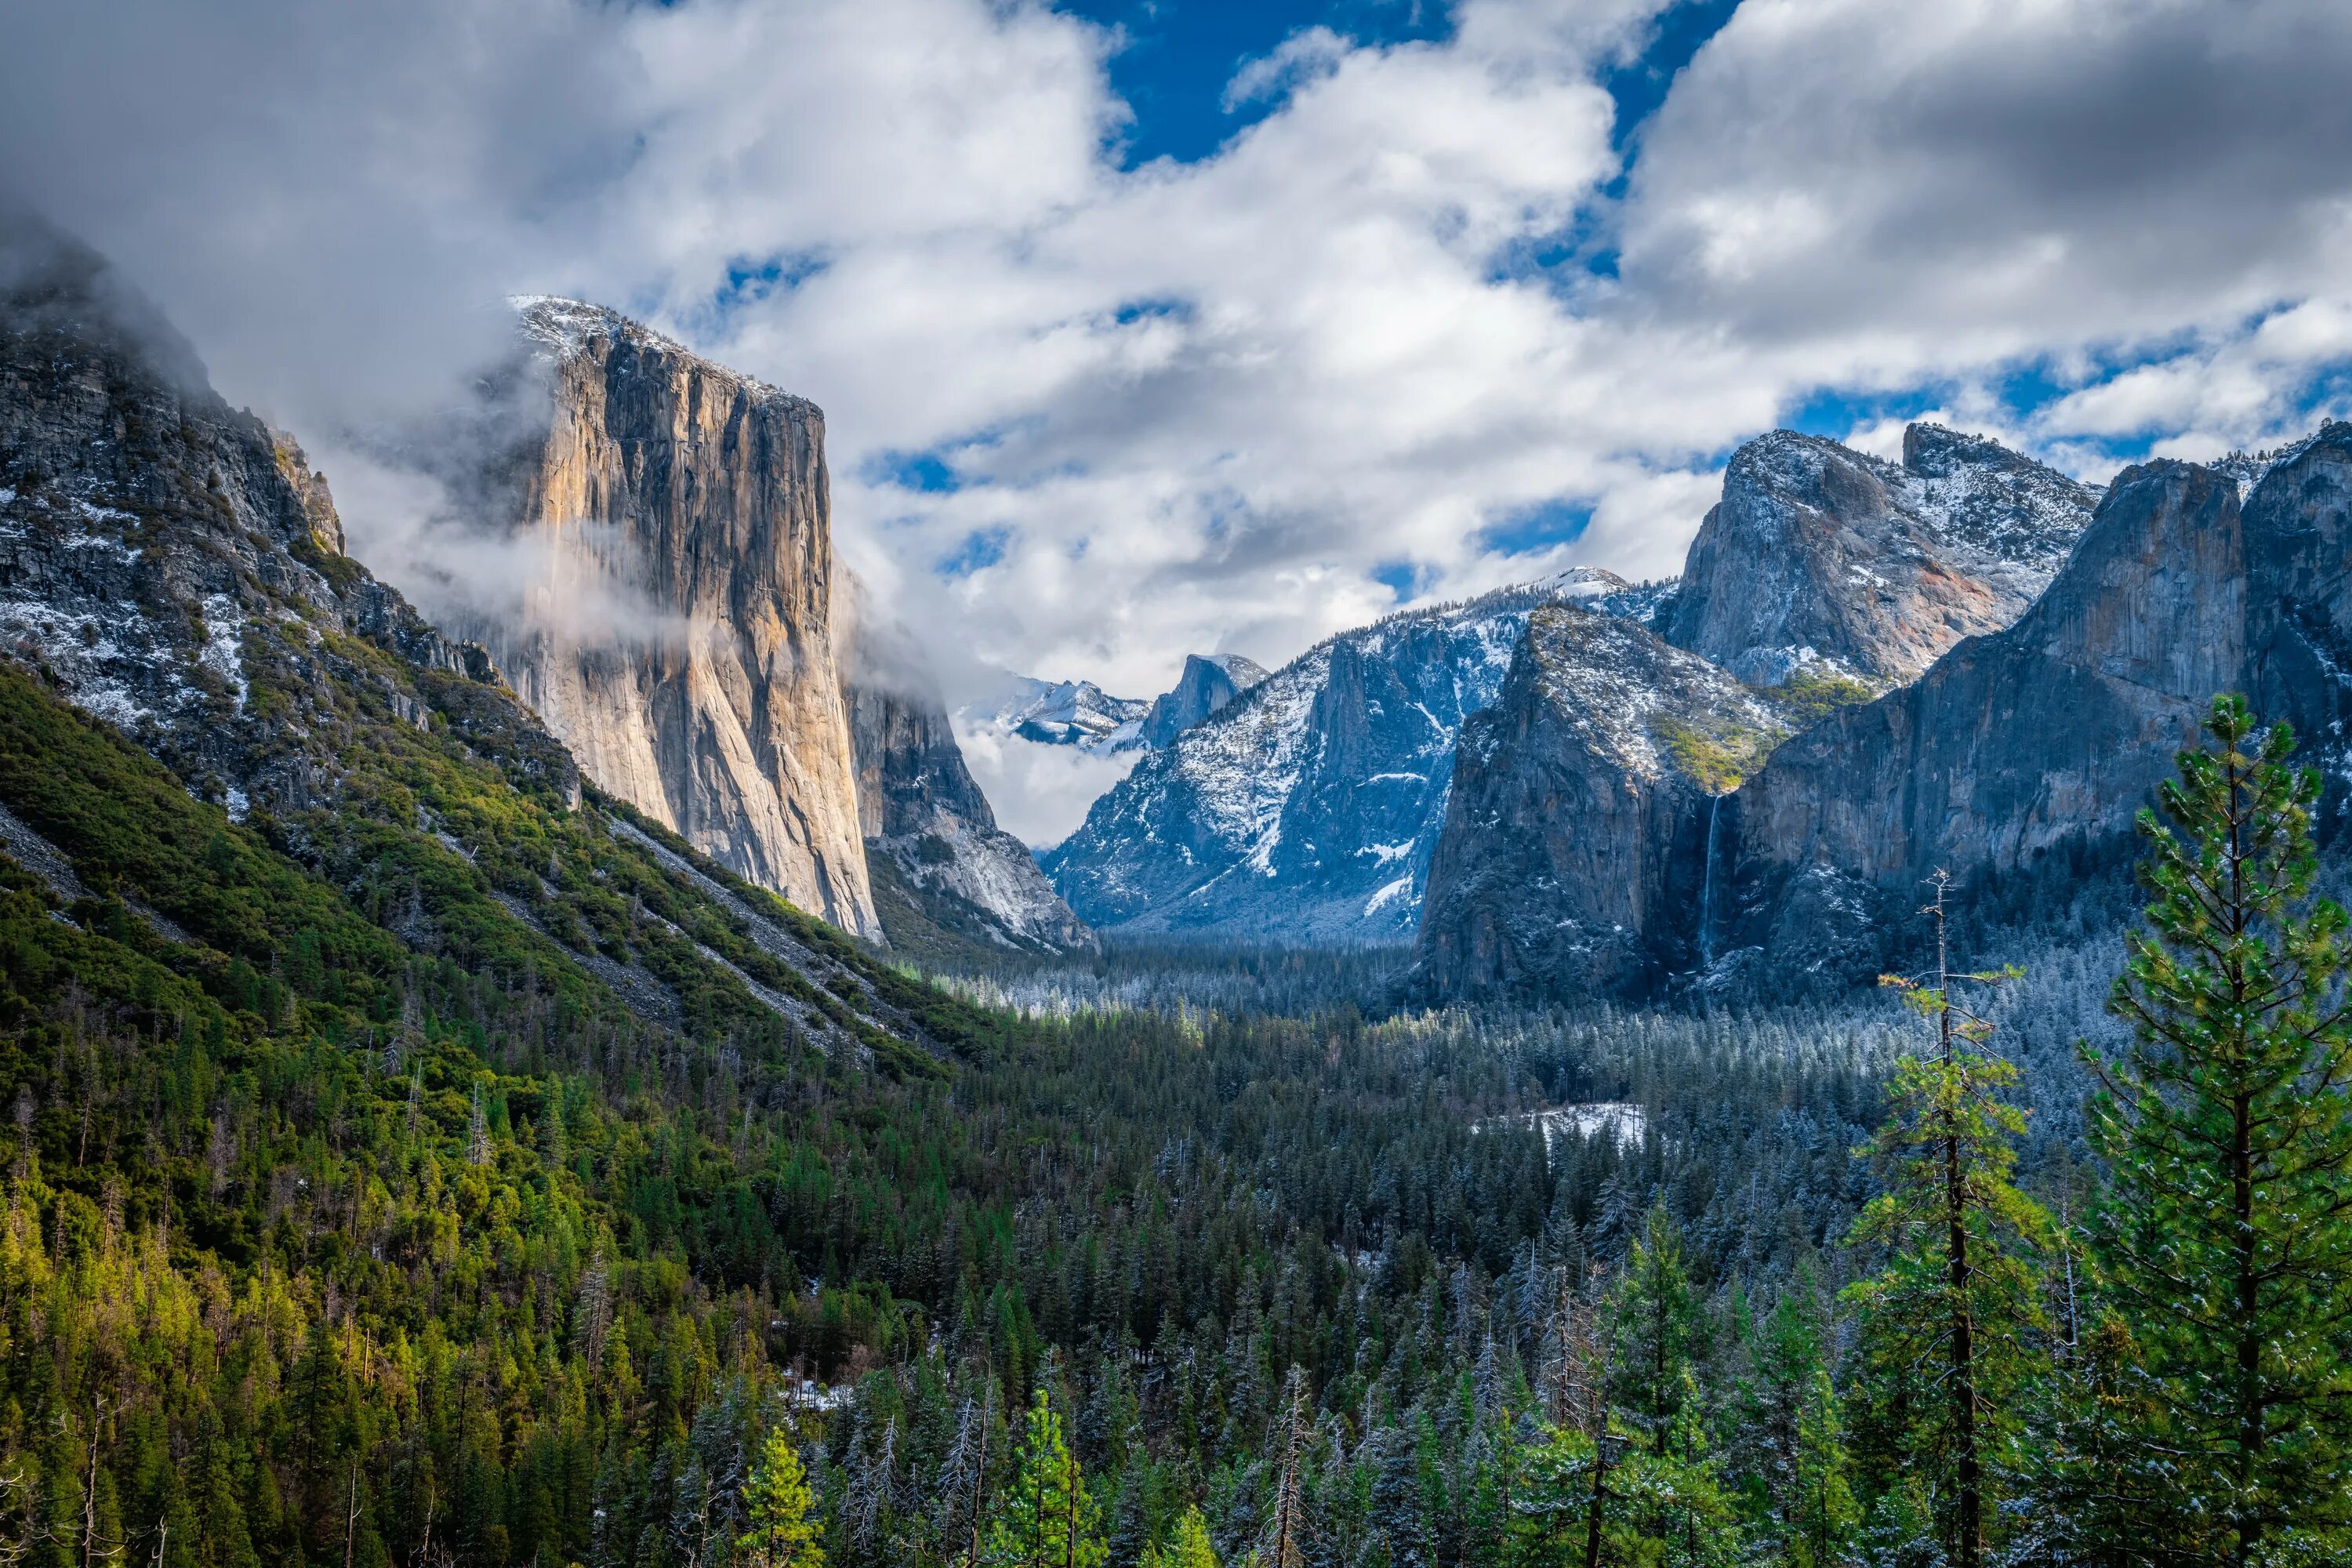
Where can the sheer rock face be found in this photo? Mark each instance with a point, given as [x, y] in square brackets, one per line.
[677, 639]
[2020, 753]
[1572, 857]
[920, 810]
[161, 553]
[1207, 684]
[1820, 555]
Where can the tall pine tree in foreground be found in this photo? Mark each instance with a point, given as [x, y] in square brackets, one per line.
[1046, 1519]
[2227, 1125]
[1945, 1320]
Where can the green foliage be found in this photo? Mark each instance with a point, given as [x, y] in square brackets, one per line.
[777, 1504]
[1947, 1319]
[1718, 754]
[1046, 1517]
[2227, 1126]
[1812, 694]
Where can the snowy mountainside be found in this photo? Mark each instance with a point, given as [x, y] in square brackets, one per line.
[1308, 807]
[1060, 713]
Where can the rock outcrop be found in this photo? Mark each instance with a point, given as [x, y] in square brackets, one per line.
[678, 635]
[1821, 556]
[1306, 808]
[167, 563]
[1557, 870]
[158, 548]
[943, 872]
[2042, 740]
[1209, 682]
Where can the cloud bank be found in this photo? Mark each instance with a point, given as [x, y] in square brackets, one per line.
[1436, 319]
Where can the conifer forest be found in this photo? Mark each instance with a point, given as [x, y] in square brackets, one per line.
[323, 1247]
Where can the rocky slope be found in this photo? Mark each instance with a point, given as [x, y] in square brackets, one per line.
[678, 637]
[168, 565]
[1821, 556]
[944, 873]
[1604, 745]
[1307, 808]
[2040, 739]
[2017, 760]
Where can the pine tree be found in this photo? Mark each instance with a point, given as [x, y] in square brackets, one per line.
[1188, 1547]
[2227, 1125]
[1957, 1287]
[1657, 1326]
[778, 1504]
[1045, 1518]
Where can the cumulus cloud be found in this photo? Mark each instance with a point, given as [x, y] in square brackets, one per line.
[1085, 418]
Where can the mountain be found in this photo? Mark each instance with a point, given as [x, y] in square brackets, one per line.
[675, 636]
[328, 795]
[1604, 742]
[1063, 713]
[2017, 760]
[1306, 808]
[946, 878]
[1209, 682]
[1821, 556]
[2021, 759]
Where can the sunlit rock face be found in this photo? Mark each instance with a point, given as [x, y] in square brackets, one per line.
[1821, 556]
[676, 632]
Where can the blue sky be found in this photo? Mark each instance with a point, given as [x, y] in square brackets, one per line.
[1151, 326]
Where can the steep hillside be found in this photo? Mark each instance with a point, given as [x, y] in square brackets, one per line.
[1821, 556]
[2018, 760]
[170, 566]
[678, 639]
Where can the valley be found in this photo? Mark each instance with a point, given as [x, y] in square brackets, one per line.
[590, 1080]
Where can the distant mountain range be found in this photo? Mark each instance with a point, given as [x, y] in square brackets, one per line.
[1308, 809]
[1080, 713]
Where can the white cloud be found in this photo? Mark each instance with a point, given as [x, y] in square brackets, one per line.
[1198, 405]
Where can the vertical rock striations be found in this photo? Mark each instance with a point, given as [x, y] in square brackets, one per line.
[2041, 741]
[677, 637]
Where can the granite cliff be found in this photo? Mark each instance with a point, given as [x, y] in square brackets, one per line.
[1820, 556]
[678, 639]
[1304, 810]
[1604, 745]
[944, 873]
[171, 568]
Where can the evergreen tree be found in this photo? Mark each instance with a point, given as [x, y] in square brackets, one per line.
[1045, 1519]
[1188, 1547]
[778, 1505]
[1955, 1290]
[1658, 1327]
[2227, 1124]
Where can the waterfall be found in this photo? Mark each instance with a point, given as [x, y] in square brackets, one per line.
[1706, 887]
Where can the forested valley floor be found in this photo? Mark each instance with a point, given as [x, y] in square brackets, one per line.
[325, 1244]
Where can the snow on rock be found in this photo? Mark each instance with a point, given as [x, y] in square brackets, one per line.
[1306, 809]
